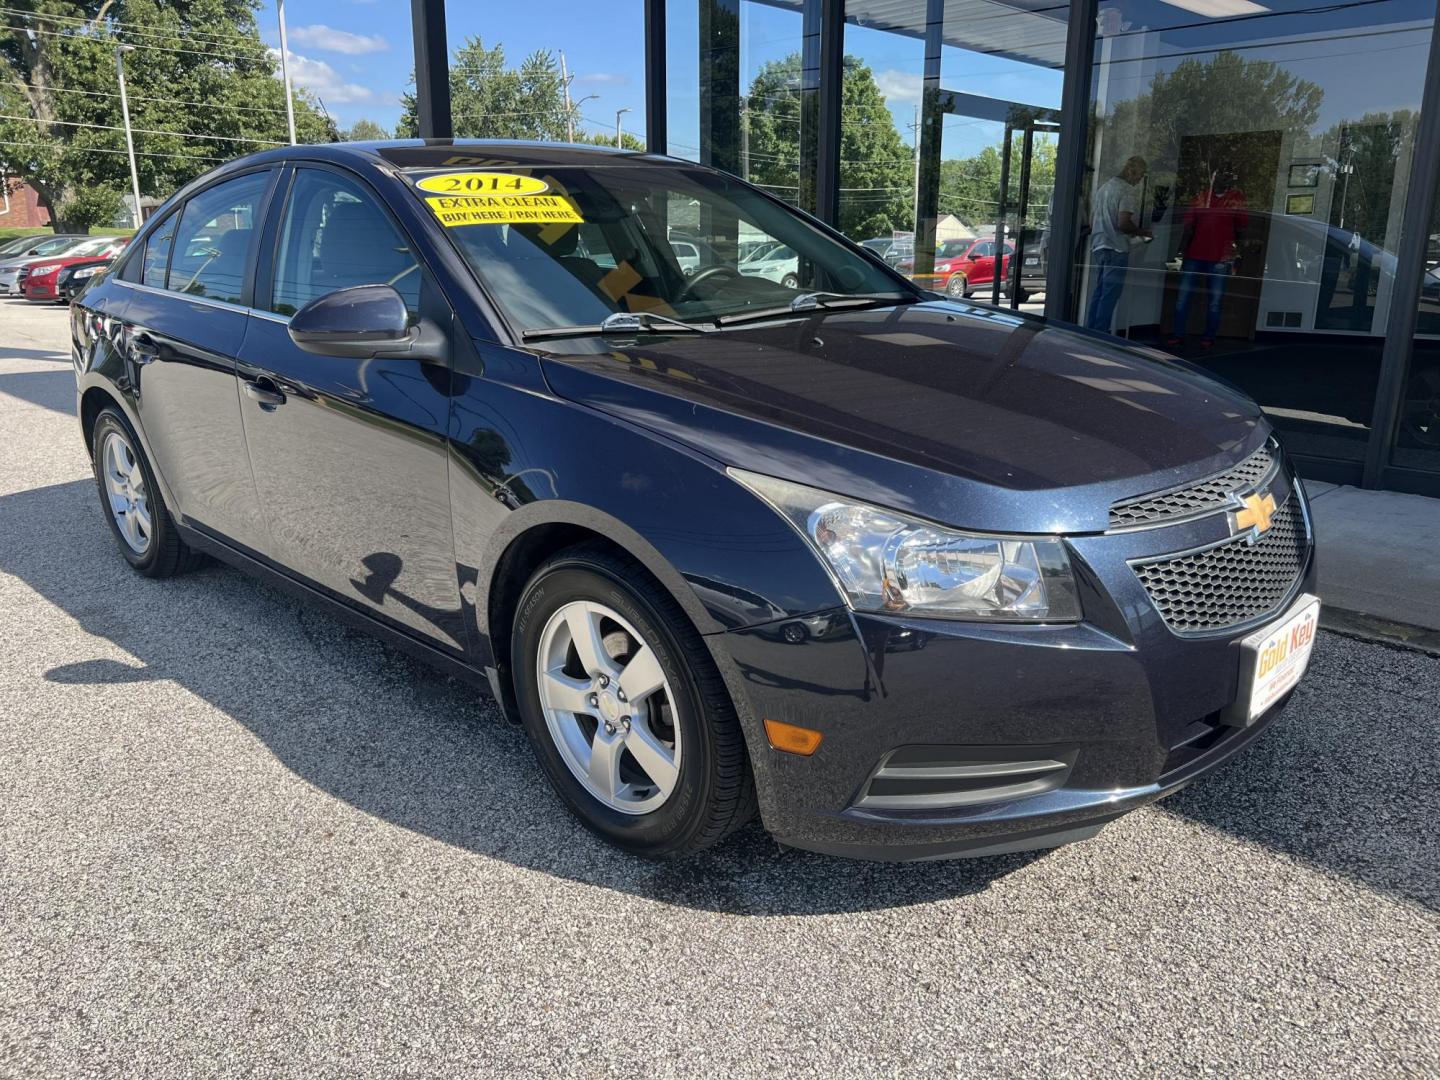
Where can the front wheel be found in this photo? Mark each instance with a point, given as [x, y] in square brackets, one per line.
[958, 286]
[626, 712]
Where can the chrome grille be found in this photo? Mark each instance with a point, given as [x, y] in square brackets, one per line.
[1204, 497]
[1233, 582]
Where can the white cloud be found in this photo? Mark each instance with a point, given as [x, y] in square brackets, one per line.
[607, 78]
[328, 39]
[900, 87]
[325, 82]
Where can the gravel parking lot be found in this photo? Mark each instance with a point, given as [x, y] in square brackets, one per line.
[238, 838]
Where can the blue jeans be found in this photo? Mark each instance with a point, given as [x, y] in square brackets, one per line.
[1110, 268]
[1216, 274]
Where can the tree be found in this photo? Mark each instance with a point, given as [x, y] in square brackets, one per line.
[491, 101]
[202, 90]
[1225, 93]
[606, 138]
[364, 130]
[876, 167]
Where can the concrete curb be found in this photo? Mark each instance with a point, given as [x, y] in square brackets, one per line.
[1357, 624]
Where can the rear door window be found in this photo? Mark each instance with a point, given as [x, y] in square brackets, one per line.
[157, 254]
[213, 240]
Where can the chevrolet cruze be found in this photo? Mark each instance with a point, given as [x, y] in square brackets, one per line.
[907, 577]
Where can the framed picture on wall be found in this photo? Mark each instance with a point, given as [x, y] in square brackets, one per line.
[1300, 204]
[1304, 175]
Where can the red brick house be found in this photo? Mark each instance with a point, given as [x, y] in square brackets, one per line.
[20, 208]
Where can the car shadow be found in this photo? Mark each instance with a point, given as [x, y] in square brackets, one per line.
[388, 735]
[12, 352]
[54, 390]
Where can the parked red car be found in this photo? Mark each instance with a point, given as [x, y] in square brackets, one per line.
[961, 266]
[58, 280]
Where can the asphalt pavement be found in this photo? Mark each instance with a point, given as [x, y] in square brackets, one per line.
[238, 838]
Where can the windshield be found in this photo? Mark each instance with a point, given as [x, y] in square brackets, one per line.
[92, 247]
[676, 242]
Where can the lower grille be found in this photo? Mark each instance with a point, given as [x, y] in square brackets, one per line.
[943, 777]
[1233, 582]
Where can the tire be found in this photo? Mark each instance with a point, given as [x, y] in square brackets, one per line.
[162, 554]
[790, 281]
[701, 789]
[957, 287]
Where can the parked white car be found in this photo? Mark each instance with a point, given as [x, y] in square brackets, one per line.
[774, 262]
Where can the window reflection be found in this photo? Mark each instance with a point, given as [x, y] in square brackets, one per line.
[1244, 194]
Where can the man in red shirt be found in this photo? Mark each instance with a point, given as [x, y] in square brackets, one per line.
[1212, 225]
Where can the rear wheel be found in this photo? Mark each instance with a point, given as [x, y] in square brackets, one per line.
[132, 502]
[790, 281]
[625, 709]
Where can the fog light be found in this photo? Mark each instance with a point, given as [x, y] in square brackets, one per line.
[792, 738]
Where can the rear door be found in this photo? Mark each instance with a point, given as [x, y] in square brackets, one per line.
[184, 325]
[350, 456]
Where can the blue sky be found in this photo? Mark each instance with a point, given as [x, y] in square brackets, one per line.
[358, 55]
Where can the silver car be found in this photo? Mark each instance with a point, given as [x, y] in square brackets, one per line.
[47, 247]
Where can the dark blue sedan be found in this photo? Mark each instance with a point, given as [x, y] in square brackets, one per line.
[905, 576]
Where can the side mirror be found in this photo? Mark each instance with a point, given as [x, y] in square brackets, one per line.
[360, 322]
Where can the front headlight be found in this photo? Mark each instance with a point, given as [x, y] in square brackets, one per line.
[888, 562]
[44, 271]
[85, 272]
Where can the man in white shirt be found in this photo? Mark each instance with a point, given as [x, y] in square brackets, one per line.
[1114, 228]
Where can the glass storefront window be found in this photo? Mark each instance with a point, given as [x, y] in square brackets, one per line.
[929, 160]
[1245, 184]
[1417, 438]
[741, 96]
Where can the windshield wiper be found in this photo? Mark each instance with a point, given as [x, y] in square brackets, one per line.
[814, 301]
[621, 322]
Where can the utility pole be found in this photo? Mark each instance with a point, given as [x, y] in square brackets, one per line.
[120, 51]
[285, 71]
[915, 128]
[618, 113]
[569, 109]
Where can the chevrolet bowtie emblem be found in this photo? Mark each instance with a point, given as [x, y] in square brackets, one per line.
[1255, 513]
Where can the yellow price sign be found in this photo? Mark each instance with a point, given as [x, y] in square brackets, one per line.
[482, 183]
[456, 210]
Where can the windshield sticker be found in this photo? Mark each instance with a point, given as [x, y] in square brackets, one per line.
[483, 183]
[456, 210]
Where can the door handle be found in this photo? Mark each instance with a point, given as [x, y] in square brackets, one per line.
[264, 391]
[143, 349]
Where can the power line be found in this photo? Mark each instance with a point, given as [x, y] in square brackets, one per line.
[146, 131]
[105, 150]
[145, 29]
[112, 42]
[272, 109]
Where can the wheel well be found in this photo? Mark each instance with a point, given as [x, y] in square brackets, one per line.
[91, 403]
[508, 580]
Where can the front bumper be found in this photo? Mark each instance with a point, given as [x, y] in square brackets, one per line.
[1093, 719]
[43, 289]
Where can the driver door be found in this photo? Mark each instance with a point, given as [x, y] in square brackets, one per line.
[349, 455]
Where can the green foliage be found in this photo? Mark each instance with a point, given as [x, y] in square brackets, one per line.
[198, 67]
[91, 207]
[607, 138]
[970, 187]
[1225, 93]
[364, 130]
[876, 169]
[491, 101]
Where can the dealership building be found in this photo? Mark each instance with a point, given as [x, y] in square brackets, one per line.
[1279, 162]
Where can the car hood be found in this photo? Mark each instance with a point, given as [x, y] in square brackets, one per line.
[968, 415]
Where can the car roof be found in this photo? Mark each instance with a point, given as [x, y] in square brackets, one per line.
[472, 153]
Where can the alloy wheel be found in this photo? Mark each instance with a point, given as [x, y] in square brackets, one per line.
[125, 486]
[609, 707]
